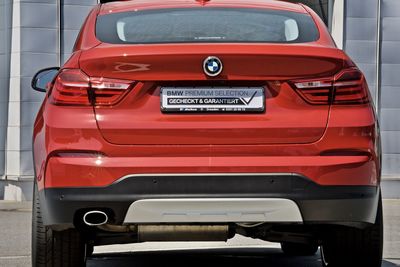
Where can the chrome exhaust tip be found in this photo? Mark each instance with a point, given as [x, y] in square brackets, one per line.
[95, 218]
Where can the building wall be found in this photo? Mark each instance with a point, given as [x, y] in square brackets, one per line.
[35, 46]
[73, 13]
[360, 35]
[43, 34]
[372, 39]
[5, 43]
[390, 86]
[34, 34]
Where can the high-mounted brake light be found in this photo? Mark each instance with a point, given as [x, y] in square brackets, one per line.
[73, 87]
[347, 87]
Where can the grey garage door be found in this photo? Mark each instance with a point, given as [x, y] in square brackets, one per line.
[377, 53]
[390, 86]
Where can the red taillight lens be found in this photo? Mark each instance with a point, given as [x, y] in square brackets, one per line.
[347, 87]
[73, 87]
[315, 91]
[70, 88]
[108, 91]
[350, 88]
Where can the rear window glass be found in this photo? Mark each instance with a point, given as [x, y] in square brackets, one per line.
[211, 25]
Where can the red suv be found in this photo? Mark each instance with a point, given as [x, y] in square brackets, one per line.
[198, 120]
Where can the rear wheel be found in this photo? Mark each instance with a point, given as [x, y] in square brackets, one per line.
[296, 249]
[354, 247]
[54, 248]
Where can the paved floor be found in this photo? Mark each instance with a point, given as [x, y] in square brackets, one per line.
[240, 251]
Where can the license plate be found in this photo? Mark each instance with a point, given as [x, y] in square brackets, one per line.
[212, 99]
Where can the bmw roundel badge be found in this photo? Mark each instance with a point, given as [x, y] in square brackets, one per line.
[212, 66]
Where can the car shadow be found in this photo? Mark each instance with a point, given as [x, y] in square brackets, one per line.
[208, 257]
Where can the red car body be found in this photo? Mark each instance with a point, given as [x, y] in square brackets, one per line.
[325, 137]
[291, 137]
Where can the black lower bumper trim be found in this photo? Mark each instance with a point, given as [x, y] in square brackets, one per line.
[318, 204]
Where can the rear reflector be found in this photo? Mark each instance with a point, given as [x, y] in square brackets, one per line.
[73, 87]
[347, 87]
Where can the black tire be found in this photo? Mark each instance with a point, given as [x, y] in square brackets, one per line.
[347, 246]
[296, 249]
[54, 248]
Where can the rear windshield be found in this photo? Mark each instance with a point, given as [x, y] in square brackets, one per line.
[211, 25]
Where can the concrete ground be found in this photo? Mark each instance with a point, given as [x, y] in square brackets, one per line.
[15, 247]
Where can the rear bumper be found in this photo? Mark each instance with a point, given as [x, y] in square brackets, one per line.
[317, 204]
[91, 170]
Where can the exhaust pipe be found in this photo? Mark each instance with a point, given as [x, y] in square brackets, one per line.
[95, 218]
[145, 233]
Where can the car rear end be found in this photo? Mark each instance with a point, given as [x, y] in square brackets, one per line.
[197, 120]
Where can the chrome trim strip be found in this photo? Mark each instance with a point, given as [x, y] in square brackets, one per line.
[201, 174]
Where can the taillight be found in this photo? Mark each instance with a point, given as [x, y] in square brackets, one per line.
[350, 87]
[347, 87]
[315, 91]
[73, 87]
[70, 88]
